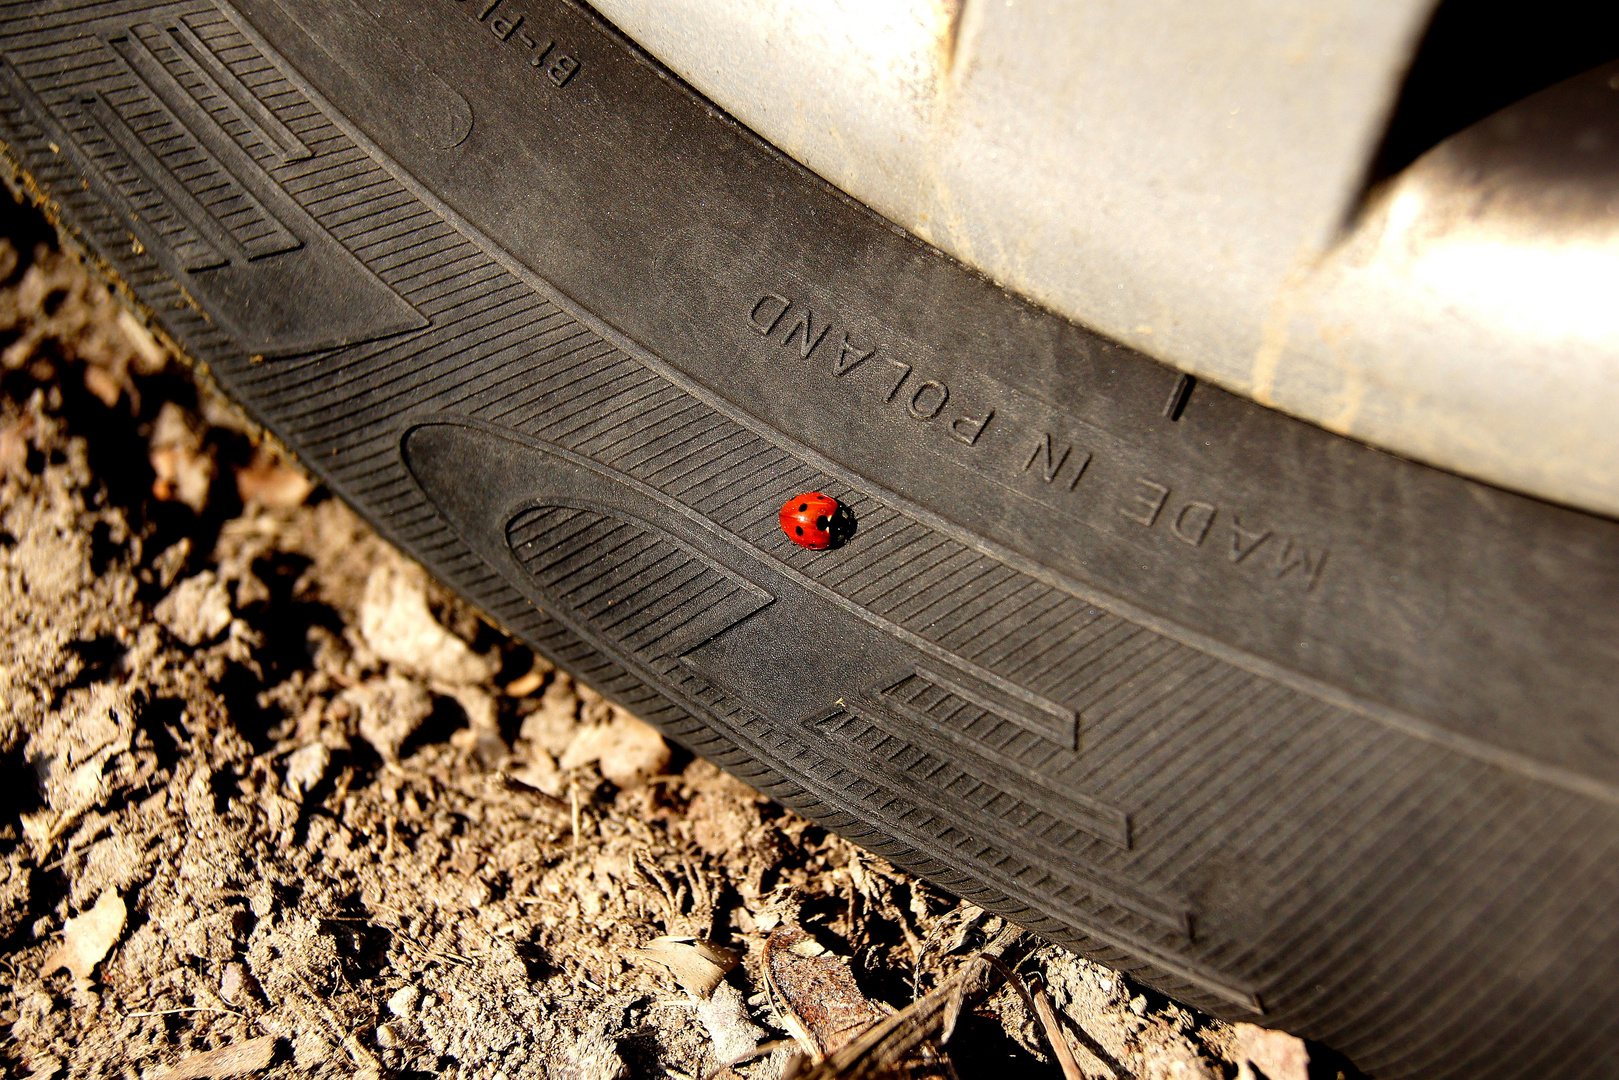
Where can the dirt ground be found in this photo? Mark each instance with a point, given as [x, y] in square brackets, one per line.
[275, 804]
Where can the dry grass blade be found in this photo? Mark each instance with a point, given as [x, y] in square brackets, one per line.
[1054, 1035]
[889, 1042]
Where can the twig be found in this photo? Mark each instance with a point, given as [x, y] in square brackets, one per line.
[573, 804]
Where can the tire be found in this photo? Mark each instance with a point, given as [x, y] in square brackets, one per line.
[1293, 730]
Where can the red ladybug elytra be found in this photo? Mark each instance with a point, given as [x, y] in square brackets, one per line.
[807, 519]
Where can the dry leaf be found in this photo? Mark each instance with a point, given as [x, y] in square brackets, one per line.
[697, 965]
[87, 938]
[820, 1002]
[1054, 1035]
[238, 1059]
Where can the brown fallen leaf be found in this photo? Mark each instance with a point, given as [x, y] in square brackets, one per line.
[819, 1001]
[238, 1059]
[886, 1044]
[86, 938]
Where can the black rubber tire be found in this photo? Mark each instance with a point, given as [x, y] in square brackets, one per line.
[1294, 730]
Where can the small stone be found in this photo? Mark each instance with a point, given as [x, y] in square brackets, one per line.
[539, 772]
[306, 767]
[237, 985]
[398, 626]
[171, 561]
[1276, 1055]
[403, 1002]
[593, 1056]
[14, 447]
[196, 610]
[262, 900]
[182, 466]
[484, 723]
[1138, 1005]
[389, 1037]
[272, 482]
[391, 710]
[724, 1013]
[310, 1049]
[626, 750]
[555, 723]
[45, 1068]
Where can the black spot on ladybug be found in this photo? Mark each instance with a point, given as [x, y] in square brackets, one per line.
[801, 508]
[821, 522]
[800, 530]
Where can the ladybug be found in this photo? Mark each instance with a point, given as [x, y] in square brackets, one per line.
[811, 520]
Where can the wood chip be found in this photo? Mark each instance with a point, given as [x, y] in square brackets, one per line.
[238, 1059]
[525, 684]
